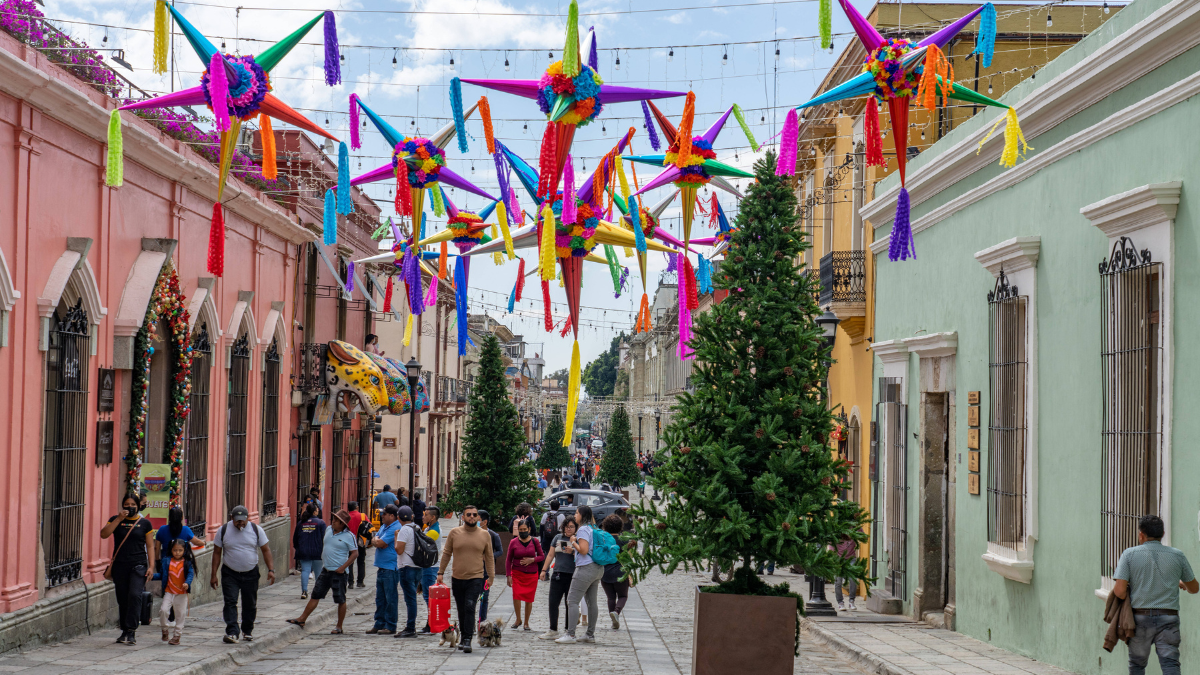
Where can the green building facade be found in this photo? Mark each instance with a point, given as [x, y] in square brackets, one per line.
[1032, 379]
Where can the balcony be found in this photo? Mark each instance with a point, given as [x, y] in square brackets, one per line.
[452, 391]
[843, 277]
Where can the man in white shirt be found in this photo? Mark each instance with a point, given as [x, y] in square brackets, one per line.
[410, 574]
[236, 555]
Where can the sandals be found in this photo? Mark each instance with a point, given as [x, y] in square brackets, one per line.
[515, 625]
[336, 631]
[296, 622]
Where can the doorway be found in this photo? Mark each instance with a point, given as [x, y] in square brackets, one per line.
[933, 600]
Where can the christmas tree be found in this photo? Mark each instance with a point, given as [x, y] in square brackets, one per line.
[618, 467]
[493, 475]
[747, 455]
[554, 455]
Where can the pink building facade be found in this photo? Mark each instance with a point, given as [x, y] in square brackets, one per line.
[78, 264]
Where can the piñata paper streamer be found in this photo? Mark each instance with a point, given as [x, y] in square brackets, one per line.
[624, 181]
[684, 133]
[431, 297]
[570, 60]
[741, 120]
[218, 87]
[936, 67]
[350, 277]
[688, 276]
[355, 138]
[439, 206]
[546, 305]
[216, 242]
[985, 42]
[502, 218]
[489, 135]
[512, 299]
[460, 301]
[548, 249]
[496, 258]
[345, 200]
[1014, 139]
[566, 327]
[546, 162]
[639, 237]
[408, 330]
[270, 166]
[654, 142]
[568, 207]
[788, 145]
[628, 252]
[572, 391]
[387, 296]
[614, 267]
[456, 107]
[825, 23]
[520, 285]
[643, 318]
[704, 276]
[330, 222]
[901, 244]
[871, 131]
[162, 30]
[333, 65]
[114, 173]
[443, 254]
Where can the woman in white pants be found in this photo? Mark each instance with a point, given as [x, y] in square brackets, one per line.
[586, 580]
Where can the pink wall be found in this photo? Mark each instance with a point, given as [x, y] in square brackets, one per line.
[51, 188]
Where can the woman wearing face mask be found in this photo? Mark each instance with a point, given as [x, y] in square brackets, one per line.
[131, 565]
[521, 565]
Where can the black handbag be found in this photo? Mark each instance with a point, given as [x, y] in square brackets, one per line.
[147, 605]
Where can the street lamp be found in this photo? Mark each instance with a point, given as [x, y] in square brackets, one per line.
[657, 435]
[817, 605]
[414, 374]
[828, 323]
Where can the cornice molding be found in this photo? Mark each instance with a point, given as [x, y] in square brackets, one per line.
[933, 345]
[1014, 255]
[1133, 210]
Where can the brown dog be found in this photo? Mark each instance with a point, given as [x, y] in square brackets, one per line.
[489, 633]
[450, 635]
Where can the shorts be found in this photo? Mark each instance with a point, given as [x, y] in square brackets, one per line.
[331, 580]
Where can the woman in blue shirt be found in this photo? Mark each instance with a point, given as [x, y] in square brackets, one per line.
[174, 529]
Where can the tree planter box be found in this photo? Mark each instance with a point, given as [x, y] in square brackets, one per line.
[743, 634]
[502, 554]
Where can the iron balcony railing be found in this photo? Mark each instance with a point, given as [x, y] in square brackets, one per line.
[844, 277]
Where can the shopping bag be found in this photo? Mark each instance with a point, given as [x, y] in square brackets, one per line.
[439, 608]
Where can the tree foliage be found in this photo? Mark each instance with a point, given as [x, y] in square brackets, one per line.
[600, 376]
[554, 454]
[618, 466]
[747, 454]
[492, 475]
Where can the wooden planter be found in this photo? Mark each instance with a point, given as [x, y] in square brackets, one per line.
[743, 634]
[502, 554]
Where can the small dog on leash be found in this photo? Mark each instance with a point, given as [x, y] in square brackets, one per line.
[489, 633]
[450, 635]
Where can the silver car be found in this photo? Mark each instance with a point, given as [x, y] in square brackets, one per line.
[603, 503]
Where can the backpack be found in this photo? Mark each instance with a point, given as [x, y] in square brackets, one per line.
[604, 548]
[364, 533]
[550, 527]
[425, 552]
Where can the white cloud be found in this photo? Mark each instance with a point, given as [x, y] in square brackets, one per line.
[678, 17]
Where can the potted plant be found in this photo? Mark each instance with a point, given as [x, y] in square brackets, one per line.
[747, 459]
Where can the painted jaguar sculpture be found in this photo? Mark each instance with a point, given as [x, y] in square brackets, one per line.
[354, 380]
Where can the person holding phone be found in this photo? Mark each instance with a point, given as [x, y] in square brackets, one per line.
[131, 565]
[558, 570]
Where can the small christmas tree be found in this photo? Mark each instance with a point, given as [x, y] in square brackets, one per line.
[554, 456]
[619, 465]
[493, 475]
[747, 455]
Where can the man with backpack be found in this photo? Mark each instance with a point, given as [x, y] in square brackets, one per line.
[413, 551]
[551, 525]
[236, 556]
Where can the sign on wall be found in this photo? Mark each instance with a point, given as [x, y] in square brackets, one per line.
[108, 387]
[104, 442]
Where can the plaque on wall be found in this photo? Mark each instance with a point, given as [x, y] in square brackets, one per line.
[973, 483]
[973, 416]
[972, 439]
[389, 442]
[972, 398]
[104, 442]
[108, 388]
[973, 461]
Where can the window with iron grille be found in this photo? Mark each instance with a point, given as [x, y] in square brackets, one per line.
[235, 448]
[65, 453]
[891, 494]
[1007, 446]
[195, 495]
[360, 466]
[269, 459]
[337, 474]
[849, 449]
[308, 466]
[1131, 425]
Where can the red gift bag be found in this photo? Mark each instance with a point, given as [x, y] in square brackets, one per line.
[439, 608]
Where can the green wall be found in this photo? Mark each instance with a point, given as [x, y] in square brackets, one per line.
[1057, 618]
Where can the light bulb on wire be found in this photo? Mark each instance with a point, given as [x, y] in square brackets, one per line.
[506, 66]
[618, 65]
[394, 59]
[671, 54]
[451, 64]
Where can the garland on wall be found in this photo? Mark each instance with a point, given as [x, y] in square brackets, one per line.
[167, 304]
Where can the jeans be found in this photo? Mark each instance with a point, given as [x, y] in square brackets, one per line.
[362, 564]
[560, 585]
[584, 583]
[387, 601]
[428, 578]
[770, 567]
[307, 566]
[408, 583]
[234, 584]
[483, 601]
[130, 581]
[617, 593]
[852, 587]
[1161, 631]
[466, 593]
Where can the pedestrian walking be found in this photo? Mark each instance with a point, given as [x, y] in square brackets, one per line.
[177, 572]
[474, 565]
[1150, 576]
[524, 514]
[847, 548]
[387, 574]
[338, 553]
[314, 498]
[433, 530]
[585, 582]
[384, 499]
[236, 556]
[308, 541]
[616, 588]
[174, 529]
[551, 525]
[558, 570]
[357, 520]
[410, 574]
[525, 556]
[131, 567]
[485, 520]
[418, 509]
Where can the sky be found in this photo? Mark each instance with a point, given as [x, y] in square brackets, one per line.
[710, 57]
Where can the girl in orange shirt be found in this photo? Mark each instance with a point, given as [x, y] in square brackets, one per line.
[177, 573]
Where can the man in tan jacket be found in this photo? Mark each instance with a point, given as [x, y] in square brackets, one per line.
[471, 548]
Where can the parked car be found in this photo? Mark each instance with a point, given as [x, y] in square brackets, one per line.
[603, 503]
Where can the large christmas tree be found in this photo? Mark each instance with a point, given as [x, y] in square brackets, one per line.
[554, 455]
[492, 474]
[748, 453]
[619, 465]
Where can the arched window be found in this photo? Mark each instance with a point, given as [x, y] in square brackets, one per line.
[65, 436]
[195, 498]
[269, 457]
[158, 406]
[235, 446]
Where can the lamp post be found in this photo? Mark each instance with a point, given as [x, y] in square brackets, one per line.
[817, 605]
[657, 435]
[413, 367]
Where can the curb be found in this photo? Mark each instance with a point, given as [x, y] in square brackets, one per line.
[244, 653]
[856, 655]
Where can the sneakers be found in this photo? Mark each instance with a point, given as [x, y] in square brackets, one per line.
[425, 630]
[590, 639]
[851, 607]
[549, 635]
[246, 637]
[841, 606]
[361, 585]
[616, 619]
[229, 639]
[123, 638]
[566, 639]
[303, 595]
[132, 639]
[173, 641]
[407, 633]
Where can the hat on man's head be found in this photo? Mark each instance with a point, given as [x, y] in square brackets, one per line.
[405, 513]
[240, 514]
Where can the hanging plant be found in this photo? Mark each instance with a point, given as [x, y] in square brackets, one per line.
[167, 304]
